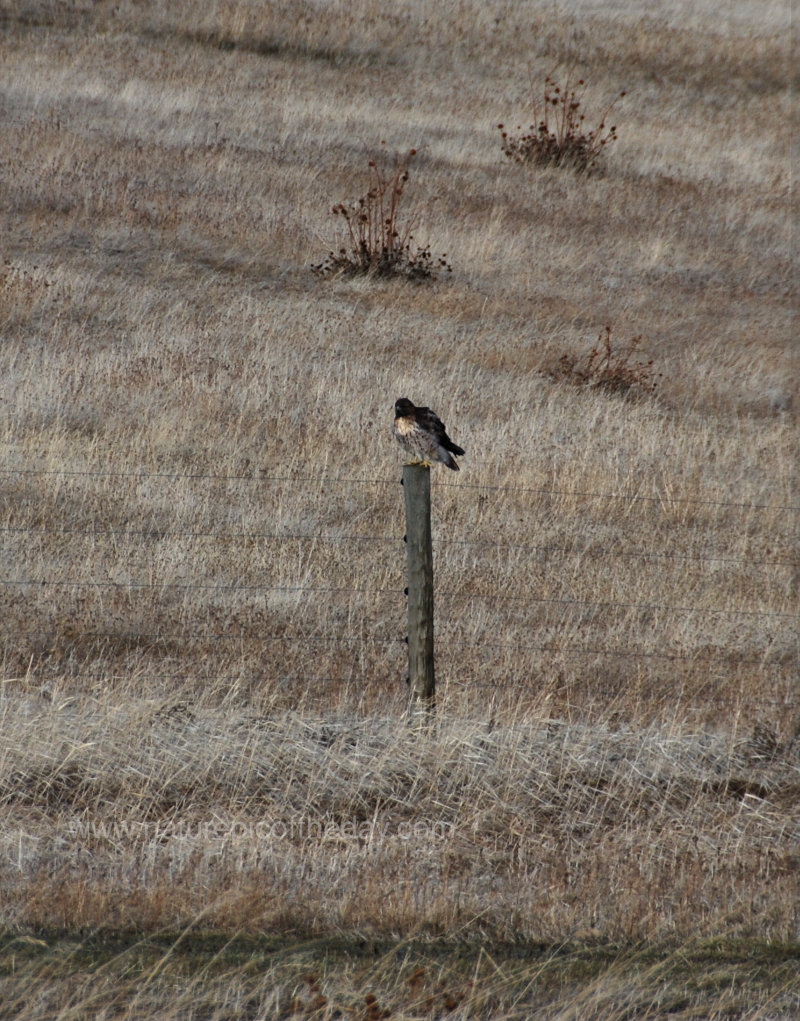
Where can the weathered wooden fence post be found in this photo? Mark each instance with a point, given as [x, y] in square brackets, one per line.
[419, 551]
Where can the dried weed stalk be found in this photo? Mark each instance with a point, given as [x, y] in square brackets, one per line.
[559, 135]
[617, 370]
[378, 238]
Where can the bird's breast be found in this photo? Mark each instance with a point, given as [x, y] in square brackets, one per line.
[404, 426]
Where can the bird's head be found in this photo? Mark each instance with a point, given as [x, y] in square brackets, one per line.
[403, 407]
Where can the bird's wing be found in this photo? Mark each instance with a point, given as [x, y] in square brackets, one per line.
[431, 422]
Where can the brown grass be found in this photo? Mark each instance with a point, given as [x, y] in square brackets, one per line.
[202, 590]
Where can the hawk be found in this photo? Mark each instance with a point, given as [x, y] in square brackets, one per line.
[421, 433]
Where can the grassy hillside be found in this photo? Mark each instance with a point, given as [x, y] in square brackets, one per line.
[203, 699]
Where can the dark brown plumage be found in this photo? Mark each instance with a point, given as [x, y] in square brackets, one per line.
[422, 434]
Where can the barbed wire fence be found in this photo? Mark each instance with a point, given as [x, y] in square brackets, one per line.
[373, 630]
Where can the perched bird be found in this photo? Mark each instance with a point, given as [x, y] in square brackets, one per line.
[421, 433]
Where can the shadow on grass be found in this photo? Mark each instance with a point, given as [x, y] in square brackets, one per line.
[170, 973]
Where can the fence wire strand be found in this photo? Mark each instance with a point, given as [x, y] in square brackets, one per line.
[664, 499]
[362, 636]
[160, 535]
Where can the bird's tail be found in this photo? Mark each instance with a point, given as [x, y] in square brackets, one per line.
[448, 460]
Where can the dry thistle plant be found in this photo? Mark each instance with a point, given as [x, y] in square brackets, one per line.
[378, 238]
[558, 137]
[617, 370]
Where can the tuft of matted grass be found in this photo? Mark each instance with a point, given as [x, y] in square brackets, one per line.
[202, 695]
[128, 815]
[156, 811]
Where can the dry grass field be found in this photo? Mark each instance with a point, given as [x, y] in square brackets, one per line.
[213, 804]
